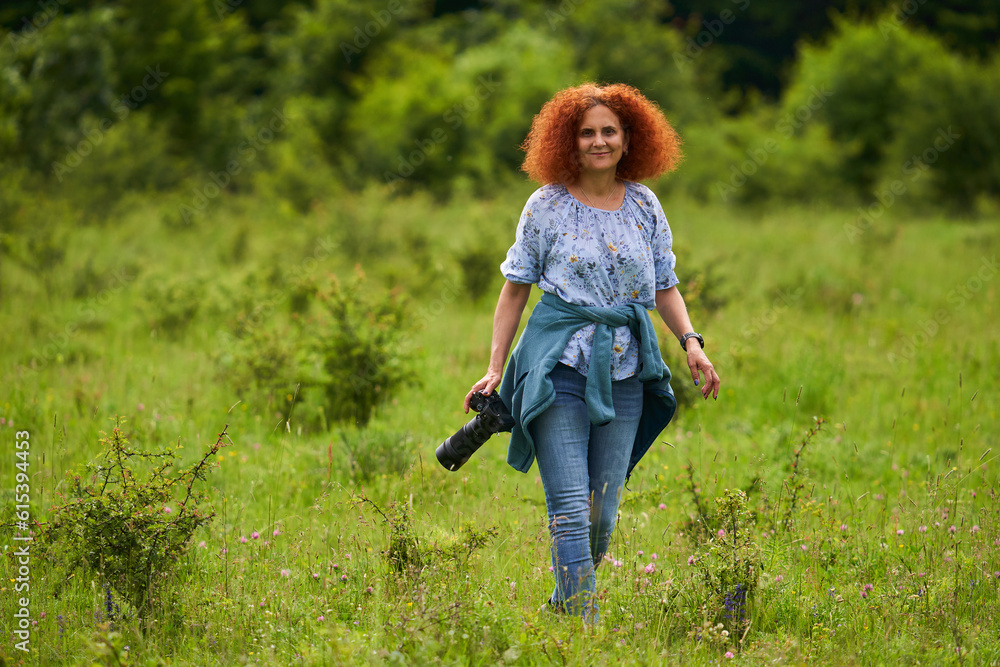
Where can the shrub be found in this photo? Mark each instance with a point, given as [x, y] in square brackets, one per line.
[360, 345]
[730, 563]
[479, 271]
[947, 143]
[853, 85]
[345, 350]
[128, 528]
[171, 301]
[894, 101]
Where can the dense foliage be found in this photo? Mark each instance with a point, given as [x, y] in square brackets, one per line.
[207, 99]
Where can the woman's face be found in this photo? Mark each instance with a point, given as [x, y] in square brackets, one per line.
[600, 140]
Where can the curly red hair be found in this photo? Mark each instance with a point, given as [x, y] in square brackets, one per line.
[551, 145]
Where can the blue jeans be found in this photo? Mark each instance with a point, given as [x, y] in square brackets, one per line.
[583, 471]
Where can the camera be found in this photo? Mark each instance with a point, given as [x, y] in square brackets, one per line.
[493, 417]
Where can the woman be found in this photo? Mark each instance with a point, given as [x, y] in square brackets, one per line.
[586, 382]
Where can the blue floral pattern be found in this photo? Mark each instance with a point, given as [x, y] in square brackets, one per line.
[592, 257]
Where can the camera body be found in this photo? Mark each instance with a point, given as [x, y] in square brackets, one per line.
[493, 417]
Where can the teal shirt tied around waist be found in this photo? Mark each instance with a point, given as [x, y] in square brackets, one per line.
[527, 389]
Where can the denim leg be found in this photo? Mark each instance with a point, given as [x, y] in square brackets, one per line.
[608, 456]
[583, 469]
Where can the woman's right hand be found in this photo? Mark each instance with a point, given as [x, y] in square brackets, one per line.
[489, 382]
[510, 305]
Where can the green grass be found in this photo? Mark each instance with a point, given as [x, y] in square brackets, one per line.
[799, 321]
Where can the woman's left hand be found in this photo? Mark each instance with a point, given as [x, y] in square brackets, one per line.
[698, 363]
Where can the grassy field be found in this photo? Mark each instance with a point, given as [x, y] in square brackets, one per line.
[858, 414]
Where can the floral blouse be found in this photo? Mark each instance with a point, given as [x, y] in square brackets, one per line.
[592, 257]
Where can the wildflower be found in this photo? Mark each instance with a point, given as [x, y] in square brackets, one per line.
[42, 615]
[843, 527]
[952, 529]
[343, 577]
[202, 545]
[639, 553]
[690, 560]
[650, 568]
[729, 654]
[778, 579]
[663, 506]
[285, 572]
[315, 575]
[617, 563]
[721, 534]
[653, 556]
[735, 603]
[369, 590]
[140, 407]
[805, 547]
[255, 535]
[996, 575]
[899, 532]
[167, 510]
[335, 566]
[243, 539]
[320, 619]
[975, 529]
[869, 587]
[922, 529]
[276, 532]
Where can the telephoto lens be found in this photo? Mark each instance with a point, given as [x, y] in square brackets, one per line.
[493, 417]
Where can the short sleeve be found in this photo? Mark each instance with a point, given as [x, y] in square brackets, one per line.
[664, 259]
[526, 258]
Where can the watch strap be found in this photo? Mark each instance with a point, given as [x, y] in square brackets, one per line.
[692, 334]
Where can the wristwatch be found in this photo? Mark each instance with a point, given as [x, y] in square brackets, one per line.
[684, 340]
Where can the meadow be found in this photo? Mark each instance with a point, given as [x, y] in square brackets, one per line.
[857, 417]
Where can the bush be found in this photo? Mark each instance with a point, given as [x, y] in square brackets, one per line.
[730, 564]
[170, 301]
[447, 116]
[894, 100]
[343, 351]
[947, 144]
[360, 345]
[128, 528]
